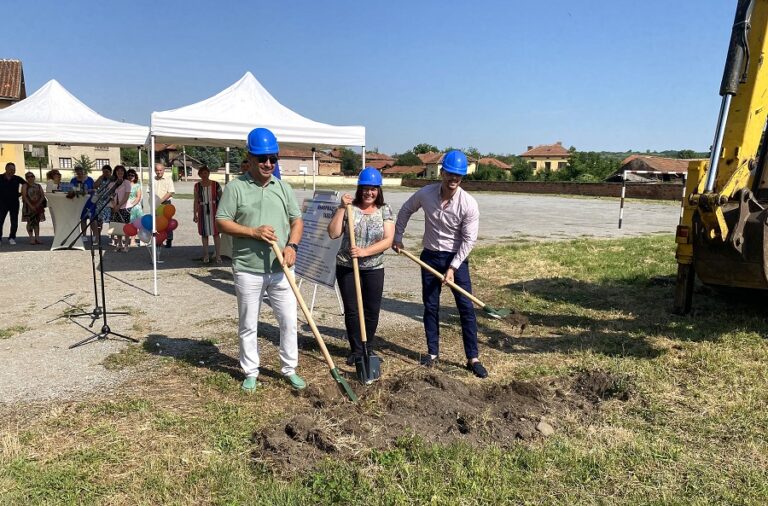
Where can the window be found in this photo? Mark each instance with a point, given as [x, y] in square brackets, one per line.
[101, 162]
[561, 165]
[547, 165]
[65, 163]
[532, 165]
[101, 148]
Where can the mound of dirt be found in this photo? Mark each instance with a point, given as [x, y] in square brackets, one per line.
[431, 405]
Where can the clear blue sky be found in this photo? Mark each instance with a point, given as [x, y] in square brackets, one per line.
[496, 75]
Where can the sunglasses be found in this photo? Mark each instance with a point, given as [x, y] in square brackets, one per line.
[263, 158]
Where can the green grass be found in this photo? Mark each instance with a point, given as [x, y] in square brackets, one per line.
[8, 332]
[694, 429]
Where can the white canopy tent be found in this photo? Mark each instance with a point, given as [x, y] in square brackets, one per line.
[52, 115]
[225, 119]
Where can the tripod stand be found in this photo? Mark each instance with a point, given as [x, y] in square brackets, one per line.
[98, 311]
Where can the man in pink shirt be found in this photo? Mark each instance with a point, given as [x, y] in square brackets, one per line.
[451, 221]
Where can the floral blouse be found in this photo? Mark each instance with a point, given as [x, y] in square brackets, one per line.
[369, 229]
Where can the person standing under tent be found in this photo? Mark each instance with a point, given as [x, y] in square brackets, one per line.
[257, 209]
[134, 200]
[82, 186]
[121, 214]
[374, 230]
[10, 186]
[33, 210]
[206, 201]
[164, 191]
[451, 221]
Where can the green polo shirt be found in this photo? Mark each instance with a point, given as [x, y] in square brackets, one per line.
[247, 203]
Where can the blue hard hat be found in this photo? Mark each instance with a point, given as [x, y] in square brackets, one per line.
[369, 177]
[262, 142]
[455, 162]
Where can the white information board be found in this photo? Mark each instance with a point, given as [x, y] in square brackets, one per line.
[316, 258]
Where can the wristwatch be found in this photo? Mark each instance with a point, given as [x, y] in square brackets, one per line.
[293, 245]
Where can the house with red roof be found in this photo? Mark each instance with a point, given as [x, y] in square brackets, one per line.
[433, 163]
[546, 157]
[12, 90]
[666, 169]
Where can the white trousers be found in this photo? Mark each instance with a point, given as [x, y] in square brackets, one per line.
[250, 288]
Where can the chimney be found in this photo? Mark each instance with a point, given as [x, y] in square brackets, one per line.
[530, 148]
[559, 143]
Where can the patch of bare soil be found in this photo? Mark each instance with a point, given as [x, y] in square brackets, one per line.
[429, 404]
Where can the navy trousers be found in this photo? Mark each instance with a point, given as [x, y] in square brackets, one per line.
[11, 208]
[431, 287]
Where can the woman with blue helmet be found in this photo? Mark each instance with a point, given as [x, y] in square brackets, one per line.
[374, 231]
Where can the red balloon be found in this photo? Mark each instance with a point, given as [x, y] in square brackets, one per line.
[130, 229]
[172, 224]
[161, 237]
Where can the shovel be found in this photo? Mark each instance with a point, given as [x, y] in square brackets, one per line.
[334, 372]
[368, 367]
[496, 313]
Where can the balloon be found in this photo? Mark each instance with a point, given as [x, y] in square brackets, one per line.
[172, 224]
[146, 222]
[161, 237]
[159, 210]
[169, 211]
[145, 235]
[137, 223]
[161, 222]
[130, 230]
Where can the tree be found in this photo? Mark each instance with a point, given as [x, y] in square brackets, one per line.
[408, 159]
[420, 149]
[473, 152]
[350, 162]
[686, 154]
[85, 162]
[130, 157]
[488, 173]
[521, 170]
[211, 157]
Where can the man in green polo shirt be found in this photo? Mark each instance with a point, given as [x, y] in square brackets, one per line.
[257, 209]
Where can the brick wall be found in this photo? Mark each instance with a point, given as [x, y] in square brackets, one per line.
[652, 191]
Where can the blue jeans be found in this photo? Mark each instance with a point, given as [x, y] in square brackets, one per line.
[431, 287]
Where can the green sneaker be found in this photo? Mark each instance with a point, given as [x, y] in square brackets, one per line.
[296, 381]
[250, 384]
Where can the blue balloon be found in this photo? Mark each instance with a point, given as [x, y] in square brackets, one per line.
[146, 222]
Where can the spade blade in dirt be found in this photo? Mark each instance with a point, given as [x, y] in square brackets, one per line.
[368, 368]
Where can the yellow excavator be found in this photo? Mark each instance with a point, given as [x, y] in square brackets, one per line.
[723, 233]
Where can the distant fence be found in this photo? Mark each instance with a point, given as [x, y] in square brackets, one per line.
[651, 191]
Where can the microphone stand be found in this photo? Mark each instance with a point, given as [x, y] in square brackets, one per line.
[98, 311]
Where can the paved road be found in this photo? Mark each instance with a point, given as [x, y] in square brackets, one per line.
[508, 217]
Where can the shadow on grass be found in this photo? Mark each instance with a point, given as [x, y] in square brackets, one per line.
[646, 306]
[204, 354]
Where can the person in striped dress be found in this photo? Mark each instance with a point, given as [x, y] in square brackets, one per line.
[207, 196]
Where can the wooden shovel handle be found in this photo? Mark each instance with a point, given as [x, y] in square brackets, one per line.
[356, 271]
[441, 276]
[289, 274]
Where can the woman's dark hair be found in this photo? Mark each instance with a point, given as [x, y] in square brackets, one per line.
[359, 197]
[129, 173]
[51, 173]
[114, 172]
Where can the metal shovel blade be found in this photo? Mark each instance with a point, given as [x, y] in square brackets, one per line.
[344, 385]
[496, 313]
[368, 369]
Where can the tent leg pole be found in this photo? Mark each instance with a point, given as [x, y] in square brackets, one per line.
[152, 210]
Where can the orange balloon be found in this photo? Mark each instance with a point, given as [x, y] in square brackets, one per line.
[169, 210]
[161, 222]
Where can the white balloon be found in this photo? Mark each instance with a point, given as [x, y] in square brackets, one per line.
[145, 235]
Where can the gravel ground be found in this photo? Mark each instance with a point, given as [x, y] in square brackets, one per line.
[39, 285]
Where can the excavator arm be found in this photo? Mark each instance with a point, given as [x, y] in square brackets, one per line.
[721, 236]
